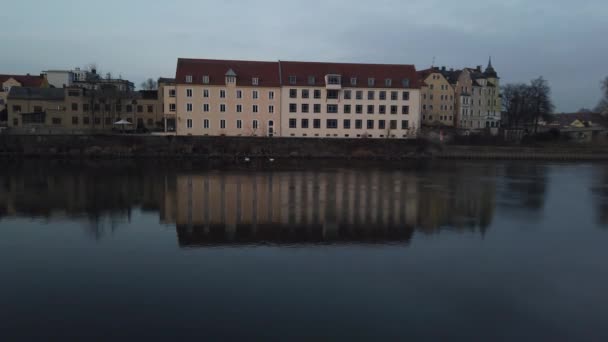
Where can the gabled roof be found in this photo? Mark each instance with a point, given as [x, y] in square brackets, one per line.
[25, 80]
[379, 72]
[33, 93]
[266, 72]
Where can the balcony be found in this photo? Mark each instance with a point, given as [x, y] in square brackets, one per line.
[333, 82]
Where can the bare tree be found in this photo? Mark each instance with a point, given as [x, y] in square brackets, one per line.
[527, 103]
[541, 103]
[149, 84]
[602, 106]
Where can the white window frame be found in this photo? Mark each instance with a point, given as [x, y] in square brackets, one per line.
[255, 124]
[222, 108]
[239, 108]
[222, 93]
[239, 94]
[255, 95]
[255, 108]
[206, 93]
[205, 108]
[189, 92]
[222, 124]
[172, 93]
[271, 109]
[239, 124]
[255, 81]
[188, 78]
[205, 79]
[172, 107]
[206, 124]
[189, 123]
[271, 95]
[188, 107]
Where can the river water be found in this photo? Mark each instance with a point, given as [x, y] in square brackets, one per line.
[459, 251]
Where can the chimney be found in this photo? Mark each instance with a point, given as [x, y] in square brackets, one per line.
[479, 68]
[443, 68]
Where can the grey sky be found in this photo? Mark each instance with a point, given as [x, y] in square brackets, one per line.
[564, 41]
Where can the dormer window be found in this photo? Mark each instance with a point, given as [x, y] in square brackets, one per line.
[188, 78]
[255, 81]
[206, 79]
[353, 81]
[311, 80]
[388, 82]
[371, 82]
[333, 79]
[292, 80]
[230, 77]
[406, 83]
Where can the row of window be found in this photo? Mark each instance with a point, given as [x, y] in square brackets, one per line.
[205, 79]
[337, 79]
[346, 124]
[441, 107]
[255, 94]
[443, 87]
[441, 97]
[348, 94]
[76, 121]
[222, 108]
[441, 117]
[347, 109]
[97, 107]
[255, 124]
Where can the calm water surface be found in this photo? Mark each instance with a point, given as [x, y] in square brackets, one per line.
[445, 251]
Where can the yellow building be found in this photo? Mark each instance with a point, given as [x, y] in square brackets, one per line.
[437, 98]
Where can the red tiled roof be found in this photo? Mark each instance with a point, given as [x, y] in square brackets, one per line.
[380, 72]
[25, 80]
[266, 72]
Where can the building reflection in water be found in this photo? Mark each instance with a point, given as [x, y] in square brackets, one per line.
[359, 205]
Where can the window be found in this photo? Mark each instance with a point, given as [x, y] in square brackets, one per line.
[150, 108]
[394, 96]
[255, 108]
[205, 93]
[358, 124]
[370, 109]
[37, 109]
[382, 109]
[346, 124]
[388, 82]
[370, 124]
[172, 107]
[239, 124]
[73, 93]
[332, 108]
[222, 124]
[382, 124]
[316, 123]
[85, 107]
[393, 124]
[239, 94]
[222, 108]
[188, 78]
[332, 123]
[15, 122]
[317, 108]
[171, 92]
[188, 92]
[333, 79]
[293, 108]
[86, 120]
[222, 94]
[206, 79]
[74, 120]
[150, 122]
[129, 108]
[255, 81]
[118, 107]
[406, 83]
[271, 95]
[189, 123]
[347, 109]
[206, 124]
[188, 107]
[359, 109]
[304, 123]
[305, 107]
[140, 108]
[404, 124]
[292, 80]
[371, 82]
[293, 93]
[405, 96]
[383, 95]
[239, 108]
[56, 121]
[107, 107]
[74, 107]
[347, 94]
[271, 109]
[359, 95]
[393, 109]
[293, 123]
[255, 124]
[255, 95]
[370, 95]
[405, 110]
[353, 81]
[333, 94]
[317, 94]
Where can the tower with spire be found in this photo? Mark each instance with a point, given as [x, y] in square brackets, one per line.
[490, 72]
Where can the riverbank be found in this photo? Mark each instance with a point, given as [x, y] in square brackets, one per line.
[236, 148]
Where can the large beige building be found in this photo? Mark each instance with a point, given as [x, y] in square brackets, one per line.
[294, 99]
[231, 98]
[437, 97]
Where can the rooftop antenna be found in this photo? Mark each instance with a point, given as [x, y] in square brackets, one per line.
[433, 64]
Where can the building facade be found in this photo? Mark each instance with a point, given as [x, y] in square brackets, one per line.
[293, 99]
[437, 97]
[9, 81]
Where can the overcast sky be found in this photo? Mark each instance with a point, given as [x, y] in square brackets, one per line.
[564, 41]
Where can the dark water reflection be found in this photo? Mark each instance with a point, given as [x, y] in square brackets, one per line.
[458, 251]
